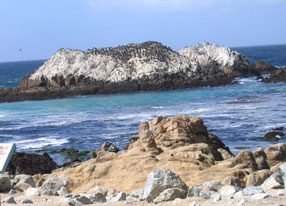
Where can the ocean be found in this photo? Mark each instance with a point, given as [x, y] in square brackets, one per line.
[238, 114]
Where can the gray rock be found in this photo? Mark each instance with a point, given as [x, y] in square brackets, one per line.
[109, 147]
[98, 189]
[160, 180]
[216, 198]
[28, 179]
[84, 200]
[194, 204]
[5, 183]
[27, 201]
[10, 200]
[51, 186]
[259, 196]
[32, 192]
[275, 181]
[198, 192]
[170, 194]
[111, 193]
[12, 191]
[72, 202]
[249, 191]
[228, 190]
[121, 196]
[68, 195]
[136, 196]
[63, 192]
[281, 192]
[21, 186]
[212, 186]
[282, 171]
[97, 197]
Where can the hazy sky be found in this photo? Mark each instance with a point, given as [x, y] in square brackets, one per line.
[35, 29]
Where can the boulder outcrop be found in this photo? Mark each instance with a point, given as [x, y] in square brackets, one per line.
[278, 76]
[31, 164]
[213, 58]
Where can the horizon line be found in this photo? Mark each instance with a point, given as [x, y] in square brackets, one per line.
[45, 59]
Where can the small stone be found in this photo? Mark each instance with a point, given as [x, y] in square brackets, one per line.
[170, 194]
[213, 186]
[5, 183]
[32, 192]
[121, 196]
[136, 196]
[194, 204]
[68, 196]
[22, 178]
[228, 190]
[98, 197]
[10, 200]
[22, 186]
[12, 191]
[84, 200]
[249, 191]
[281, 192]
[27, 201]
[63, 191]
[98, 189]
[238, 195]
[217, 197]
[72, 202]
[111, 193]
[197, 192]
[259, 196]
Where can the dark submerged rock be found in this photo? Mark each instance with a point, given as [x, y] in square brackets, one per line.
[31, 164]
[273, 136]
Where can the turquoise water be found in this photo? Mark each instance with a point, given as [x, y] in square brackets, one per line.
[238, 114]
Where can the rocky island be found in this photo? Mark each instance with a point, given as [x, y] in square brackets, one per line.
[148, 66]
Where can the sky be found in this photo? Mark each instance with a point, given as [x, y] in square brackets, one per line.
[36, 29]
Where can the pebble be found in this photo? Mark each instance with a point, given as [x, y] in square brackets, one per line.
[27, 201]
[10, 200]
[217, 198]
[194, 204]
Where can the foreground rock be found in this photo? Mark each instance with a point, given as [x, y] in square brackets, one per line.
[31, 164]
[164, 185]
[5, 183]
[135, 67]
[181, 144]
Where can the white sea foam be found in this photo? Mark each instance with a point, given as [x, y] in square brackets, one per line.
[246, 80]
[200, 110]
[158, 107]
[40, 142]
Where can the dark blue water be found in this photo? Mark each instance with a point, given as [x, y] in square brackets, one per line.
[238, 114]
[11, 73]
[273, 54]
